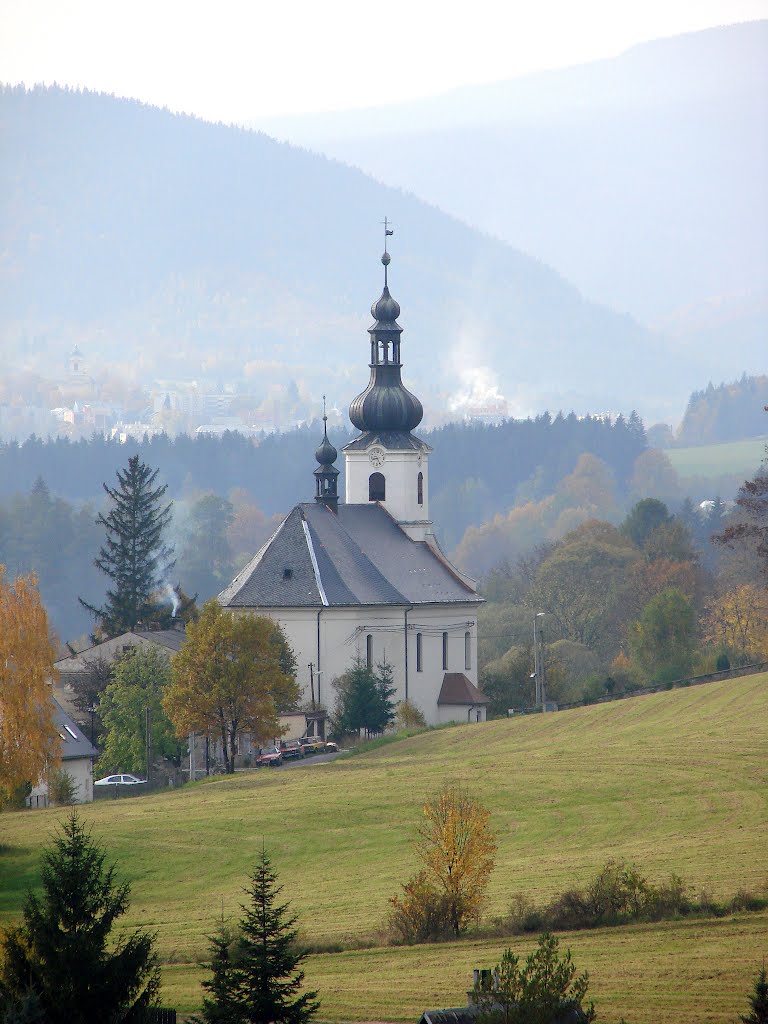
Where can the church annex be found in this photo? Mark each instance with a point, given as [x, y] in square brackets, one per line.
[365, 577]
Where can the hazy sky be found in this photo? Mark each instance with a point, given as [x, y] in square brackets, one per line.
[242, 59]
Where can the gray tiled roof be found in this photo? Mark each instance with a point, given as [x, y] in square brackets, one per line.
[392, 440]
[359, 556]
[73, 742]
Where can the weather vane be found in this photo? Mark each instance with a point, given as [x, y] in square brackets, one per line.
[387, 231]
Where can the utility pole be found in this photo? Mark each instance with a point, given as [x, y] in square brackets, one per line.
[148, 740]
[538, 661]
[311, 667]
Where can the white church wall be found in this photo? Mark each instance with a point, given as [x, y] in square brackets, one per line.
[344, 635]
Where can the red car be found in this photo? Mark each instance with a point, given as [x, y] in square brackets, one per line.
[270, 756]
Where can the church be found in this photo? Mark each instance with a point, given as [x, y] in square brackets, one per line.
[365, 577]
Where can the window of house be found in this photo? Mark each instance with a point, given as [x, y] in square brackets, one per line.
[376, 487]
[369, 651]
[420, 489]
[467, 650]
[445, 651]
[419, 656]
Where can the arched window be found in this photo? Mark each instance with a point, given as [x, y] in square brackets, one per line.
[376, 487]
[420, 489]
[467, 650]
[419, 656]
[369, 651]
[445, 651]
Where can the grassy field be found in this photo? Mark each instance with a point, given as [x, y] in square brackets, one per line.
[742, 457]
[674, 781]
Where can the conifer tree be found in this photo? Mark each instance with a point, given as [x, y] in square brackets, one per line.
[134, 556]
[60, 957]
[758, 1001]
[256, 979]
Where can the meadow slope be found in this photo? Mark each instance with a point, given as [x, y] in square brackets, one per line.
[674, 781]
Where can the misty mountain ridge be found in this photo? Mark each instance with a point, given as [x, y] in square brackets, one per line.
[167, 247]
[640, 178]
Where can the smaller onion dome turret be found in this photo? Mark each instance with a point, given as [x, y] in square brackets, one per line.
[386, 404]
[326, 475]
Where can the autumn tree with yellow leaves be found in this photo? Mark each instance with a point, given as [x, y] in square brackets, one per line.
[737, 622]
[457, 848]
[29, 741]
[233, 673]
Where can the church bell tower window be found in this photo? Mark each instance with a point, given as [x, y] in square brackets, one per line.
[376, 487]
[445, 651]
[420, 488]
[467, 650]
[369, 651]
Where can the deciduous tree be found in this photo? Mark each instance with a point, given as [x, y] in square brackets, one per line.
[29, 741]
[457, 847]
[134, 555]
[661, 640]
[233, 673]
[62, 953]
[256, 976]
[131, 701]
[737, 622]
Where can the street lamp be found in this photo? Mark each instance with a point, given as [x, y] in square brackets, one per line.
[538, 661]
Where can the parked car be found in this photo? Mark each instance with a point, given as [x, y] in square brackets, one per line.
[310, 745]
[331, 747]
[291, 750]
[271, 756]
[120, 780]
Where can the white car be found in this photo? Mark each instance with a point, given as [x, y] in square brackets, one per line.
[121, 780]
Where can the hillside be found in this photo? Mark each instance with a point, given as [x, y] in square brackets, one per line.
[640, 178]
[167, 247]
[674, 781]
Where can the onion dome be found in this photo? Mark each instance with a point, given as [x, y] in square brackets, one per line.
[326, 454]
[386, 405]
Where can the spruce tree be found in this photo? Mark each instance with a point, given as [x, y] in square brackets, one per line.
[134, 556]
[758, 1001]
[256, 978]
[59, 960]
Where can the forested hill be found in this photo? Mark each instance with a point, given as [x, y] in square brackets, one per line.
[476, 473]
[169, 247]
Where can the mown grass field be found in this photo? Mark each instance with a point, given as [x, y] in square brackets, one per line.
[715, 460]
[674, 781]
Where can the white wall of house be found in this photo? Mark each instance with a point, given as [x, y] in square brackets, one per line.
[344, 632]
[80, 770]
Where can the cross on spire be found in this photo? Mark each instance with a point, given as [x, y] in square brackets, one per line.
[387, 231]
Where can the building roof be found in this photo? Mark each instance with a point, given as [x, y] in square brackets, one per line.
[170, 639]
[392, 440]
[357, 556]
[457, 689]
[73, 742]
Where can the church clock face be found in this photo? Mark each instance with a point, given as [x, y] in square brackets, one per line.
[376, 456]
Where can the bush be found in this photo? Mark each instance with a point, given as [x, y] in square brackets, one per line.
[420, 914]
[16, 799]
[409, 716]
[62, 788]
[723, 663]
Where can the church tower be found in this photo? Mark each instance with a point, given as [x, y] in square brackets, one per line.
[326, 474]
[387, 464]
